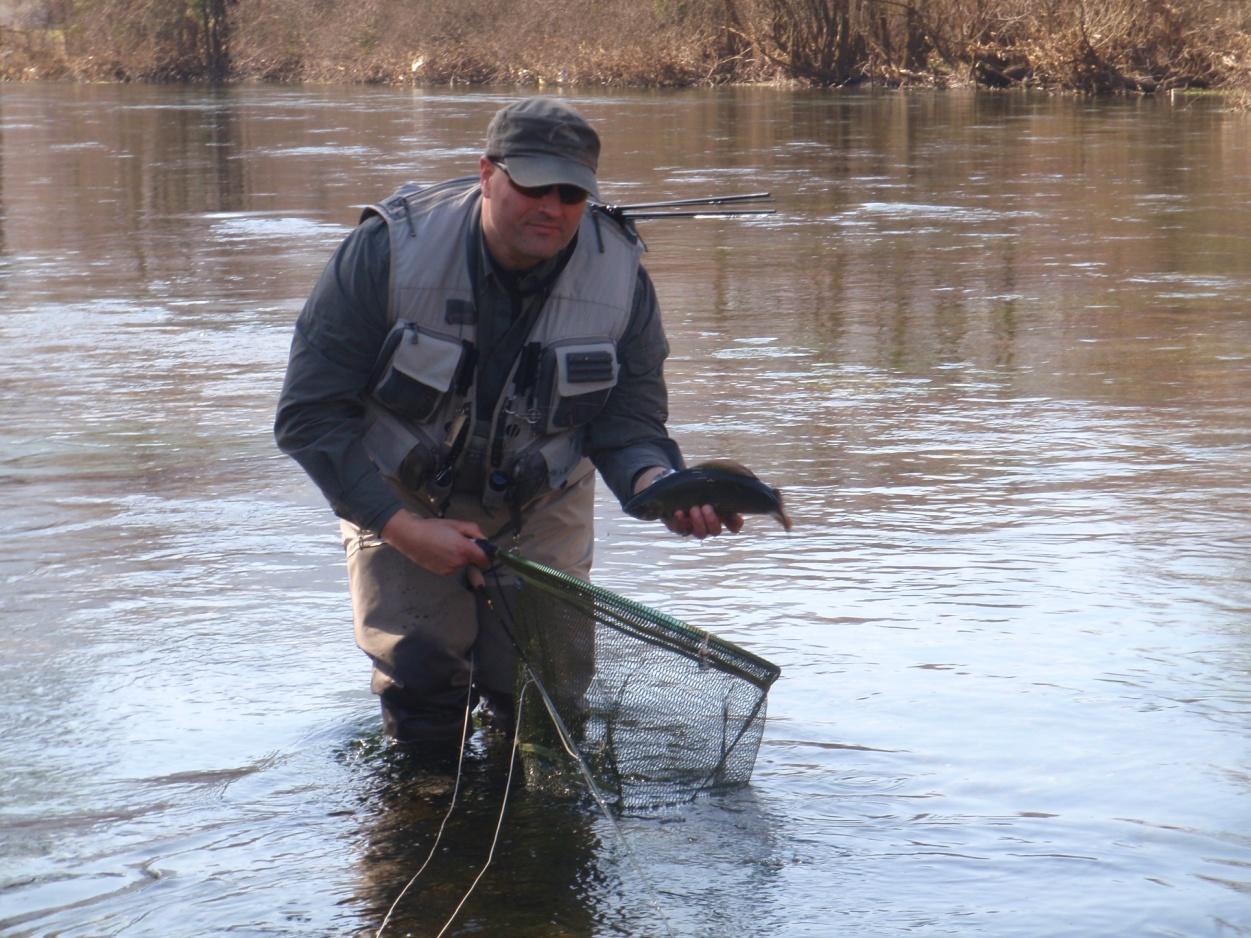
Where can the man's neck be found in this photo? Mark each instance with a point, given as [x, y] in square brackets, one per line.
[526, 280]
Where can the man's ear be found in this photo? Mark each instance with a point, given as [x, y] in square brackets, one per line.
[486, 169]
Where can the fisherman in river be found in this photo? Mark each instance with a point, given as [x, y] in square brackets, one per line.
[472, 353]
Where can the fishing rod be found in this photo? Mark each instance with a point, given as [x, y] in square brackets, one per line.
[709, 200]
[644, 210]
[643, 216]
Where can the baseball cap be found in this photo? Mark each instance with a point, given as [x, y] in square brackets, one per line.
[542, 141]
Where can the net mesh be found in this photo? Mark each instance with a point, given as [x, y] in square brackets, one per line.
[660, 712]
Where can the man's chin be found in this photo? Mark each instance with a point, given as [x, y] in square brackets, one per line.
[543, 249]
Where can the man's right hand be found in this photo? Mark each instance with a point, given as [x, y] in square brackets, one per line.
[440, 545]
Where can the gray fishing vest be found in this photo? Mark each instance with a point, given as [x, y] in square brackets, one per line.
[421, 397]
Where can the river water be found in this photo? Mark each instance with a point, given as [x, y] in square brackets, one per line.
[995, 349]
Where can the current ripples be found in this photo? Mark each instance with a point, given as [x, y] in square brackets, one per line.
[990, 348]
[1022, 549]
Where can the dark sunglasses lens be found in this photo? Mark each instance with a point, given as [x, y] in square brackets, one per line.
[569, 195]
[531, 192]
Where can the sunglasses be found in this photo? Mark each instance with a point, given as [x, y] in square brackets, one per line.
[568, 194]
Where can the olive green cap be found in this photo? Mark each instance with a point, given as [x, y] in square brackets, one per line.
[542, 141]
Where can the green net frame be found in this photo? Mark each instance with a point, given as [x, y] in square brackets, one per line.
[659, 712]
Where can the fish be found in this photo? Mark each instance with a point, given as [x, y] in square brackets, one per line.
[728, 487]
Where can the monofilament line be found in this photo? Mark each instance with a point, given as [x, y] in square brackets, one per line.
[566, 740]
[499, 823]
[571, 748]
[460, 763]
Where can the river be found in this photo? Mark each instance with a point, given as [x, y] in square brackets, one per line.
[994, 348]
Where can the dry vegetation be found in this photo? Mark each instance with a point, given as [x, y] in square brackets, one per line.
[1092, 46]
[479, 41]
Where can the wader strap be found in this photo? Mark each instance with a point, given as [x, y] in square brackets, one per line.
[512, 526]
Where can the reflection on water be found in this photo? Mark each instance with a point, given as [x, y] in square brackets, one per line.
[994, 349]
[548, 887]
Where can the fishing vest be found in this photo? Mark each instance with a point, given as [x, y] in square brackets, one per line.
[421, 427]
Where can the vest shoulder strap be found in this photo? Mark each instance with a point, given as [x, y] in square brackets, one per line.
[413, 198]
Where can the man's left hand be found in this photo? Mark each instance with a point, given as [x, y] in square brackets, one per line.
[701, 521]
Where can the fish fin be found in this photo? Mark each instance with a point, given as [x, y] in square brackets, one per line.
[783, 518]
[727, 465]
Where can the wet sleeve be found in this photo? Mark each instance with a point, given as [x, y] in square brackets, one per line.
[629, 434]
[339, 333]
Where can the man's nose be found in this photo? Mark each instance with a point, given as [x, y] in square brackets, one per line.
[550, 201]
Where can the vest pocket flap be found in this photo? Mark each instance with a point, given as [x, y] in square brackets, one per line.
[576, 380]
[428, 359]
[583, 369]
[419, 373]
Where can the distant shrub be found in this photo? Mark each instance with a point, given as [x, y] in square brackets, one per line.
[1092, 46]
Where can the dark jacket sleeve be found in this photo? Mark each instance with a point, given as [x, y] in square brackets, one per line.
[629, 434]
[339, 333]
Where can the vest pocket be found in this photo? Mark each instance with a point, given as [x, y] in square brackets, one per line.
[400, 452]
[577, 379]
[544, 467]
[419, 373]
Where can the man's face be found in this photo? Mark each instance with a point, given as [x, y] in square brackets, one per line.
[520, 230]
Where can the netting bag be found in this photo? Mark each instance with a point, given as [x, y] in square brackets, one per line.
[659, 712]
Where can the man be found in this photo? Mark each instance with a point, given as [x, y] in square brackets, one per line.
[470, 355]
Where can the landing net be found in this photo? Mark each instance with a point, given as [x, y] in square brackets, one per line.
[660, 712]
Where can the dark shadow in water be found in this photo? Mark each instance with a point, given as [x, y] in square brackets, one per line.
[543, 876]
[560, 869]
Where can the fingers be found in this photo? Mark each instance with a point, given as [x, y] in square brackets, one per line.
[477, 556]
[467, 528]
[460, 548]
[702, 521]
[677, 523]
[472, 554]
[442, 546]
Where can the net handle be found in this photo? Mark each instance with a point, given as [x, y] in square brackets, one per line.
[762, 675]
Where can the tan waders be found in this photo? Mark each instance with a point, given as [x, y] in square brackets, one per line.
[422, 630]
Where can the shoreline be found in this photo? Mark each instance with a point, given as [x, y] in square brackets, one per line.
[1237, 96]
[1124, 47]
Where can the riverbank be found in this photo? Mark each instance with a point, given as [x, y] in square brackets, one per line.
[1126, 46]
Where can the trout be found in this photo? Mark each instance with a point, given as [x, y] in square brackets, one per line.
[725, 485]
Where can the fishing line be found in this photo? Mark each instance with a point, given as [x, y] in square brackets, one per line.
[460, 763]
[499, 823]
[566, 740]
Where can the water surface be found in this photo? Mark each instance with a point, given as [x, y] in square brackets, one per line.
[995, 349]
